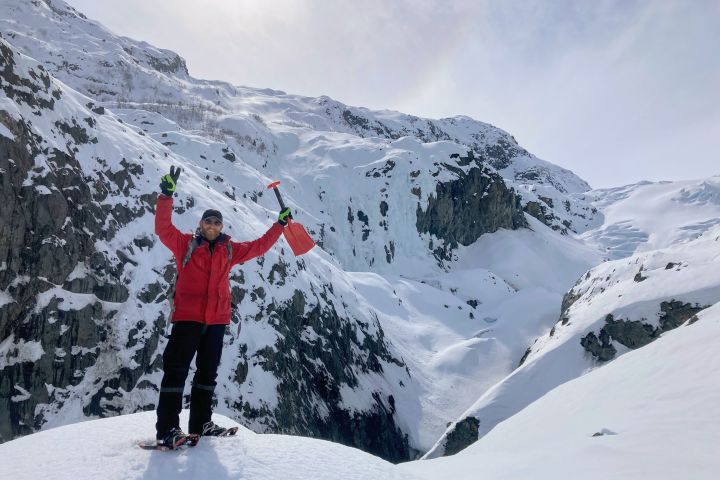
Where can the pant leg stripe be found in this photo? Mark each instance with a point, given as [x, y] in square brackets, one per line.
[171, 390]
[209, 388]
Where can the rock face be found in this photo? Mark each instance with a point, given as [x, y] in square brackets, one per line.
[311, 360]
[463, 435]
[634, 333]
[49, 227]
[461, 210]
[551, 194]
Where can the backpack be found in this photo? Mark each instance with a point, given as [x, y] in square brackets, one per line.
[192, 245]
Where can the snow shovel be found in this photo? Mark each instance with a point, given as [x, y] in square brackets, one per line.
[295, 234]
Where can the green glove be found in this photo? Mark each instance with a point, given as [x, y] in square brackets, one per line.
[168, 182]
[284, 216]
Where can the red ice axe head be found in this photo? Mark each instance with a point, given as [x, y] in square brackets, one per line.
[295, 234]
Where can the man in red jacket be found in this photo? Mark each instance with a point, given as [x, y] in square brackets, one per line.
[201, 311]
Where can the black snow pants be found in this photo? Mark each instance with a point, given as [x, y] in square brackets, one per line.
[186, 339]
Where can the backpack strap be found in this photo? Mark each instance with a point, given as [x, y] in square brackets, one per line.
[192, 245]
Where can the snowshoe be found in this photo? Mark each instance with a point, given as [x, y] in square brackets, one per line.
[174, 439]
[212, 430]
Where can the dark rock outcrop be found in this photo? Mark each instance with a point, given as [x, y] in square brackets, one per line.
[674, 313]
[463, 435]
[600, 348]
[634, 333]
[318, 352]
[461, 210]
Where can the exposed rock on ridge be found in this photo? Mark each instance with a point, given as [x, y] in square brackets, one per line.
[460, 211]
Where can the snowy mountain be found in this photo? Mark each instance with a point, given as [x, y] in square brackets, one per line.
[619, 305]
[84, 288]
[91, 121]
[260, 125]
[458, 283]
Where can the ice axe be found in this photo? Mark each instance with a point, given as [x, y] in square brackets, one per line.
[295, 234]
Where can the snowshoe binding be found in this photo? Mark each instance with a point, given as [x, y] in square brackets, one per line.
[174, 439]
[212, 430]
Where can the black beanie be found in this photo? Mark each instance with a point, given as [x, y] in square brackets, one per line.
[212, 213]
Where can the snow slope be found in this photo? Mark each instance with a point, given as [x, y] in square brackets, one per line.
[655, 412]
[647, 216]
[107, 449]
[290, 137]
[464, 330]
[642, 290]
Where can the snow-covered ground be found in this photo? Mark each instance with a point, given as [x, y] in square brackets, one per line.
[655, 412]
[108, 449]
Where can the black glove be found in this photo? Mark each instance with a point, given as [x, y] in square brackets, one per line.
[169, 182]
[284, 216]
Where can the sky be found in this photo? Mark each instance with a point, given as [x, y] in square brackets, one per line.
[618, 91]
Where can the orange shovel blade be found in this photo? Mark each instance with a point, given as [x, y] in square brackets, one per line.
[298, 239]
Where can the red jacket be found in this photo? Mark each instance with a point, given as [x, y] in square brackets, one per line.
[202, 292]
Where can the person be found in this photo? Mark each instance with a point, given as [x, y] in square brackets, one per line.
[201, 311]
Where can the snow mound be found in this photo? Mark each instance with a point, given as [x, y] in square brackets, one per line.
[107, 448]
[652, 413]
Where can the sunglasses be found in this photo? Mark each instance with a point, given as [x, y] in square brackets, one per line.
[212, 221]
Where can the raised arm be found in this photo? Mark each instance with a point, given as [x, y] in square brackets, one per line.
[169, 235]
[244, 251]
